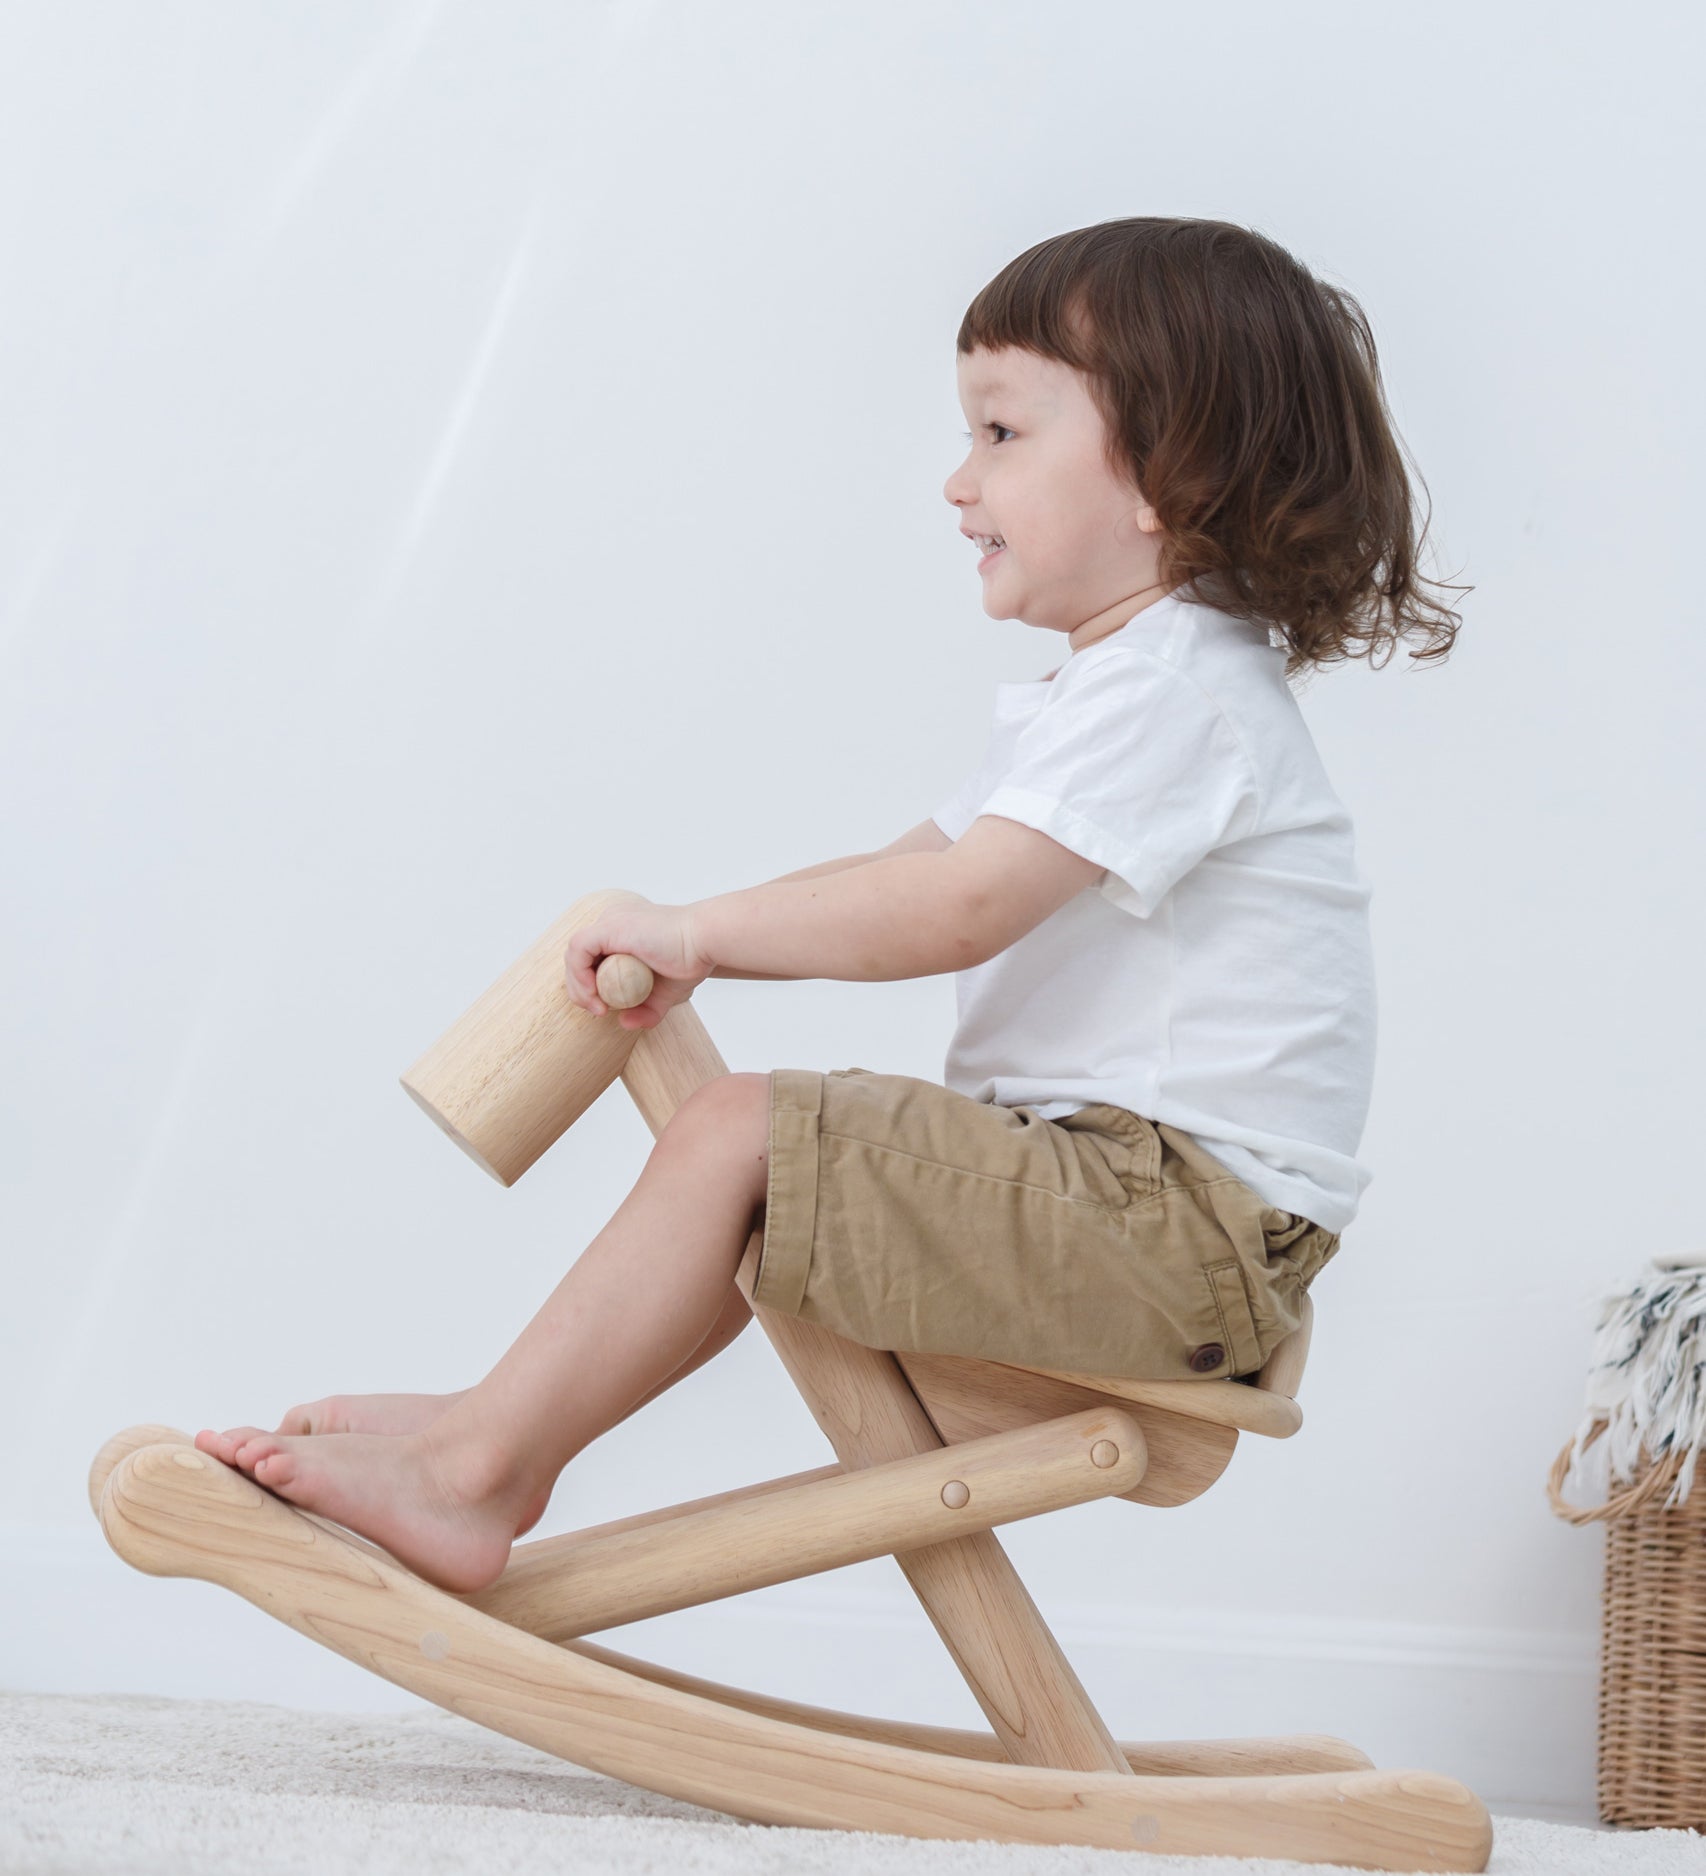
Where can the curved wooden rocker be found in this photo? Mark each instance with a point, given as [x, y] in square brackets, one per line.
[932, 1451]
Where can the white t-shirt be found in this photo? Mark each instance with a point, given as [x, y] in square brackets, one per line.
[1219, 976]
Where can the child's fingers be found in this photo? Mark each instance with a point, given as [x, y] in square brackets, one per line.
[580, 977]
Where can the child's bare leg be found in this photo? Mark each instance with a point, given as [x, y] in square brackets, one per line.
[736, 1314]
[641, 1301]
[409, 1413]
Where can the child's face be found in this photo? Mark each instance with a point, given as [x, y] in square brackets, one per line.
[1082, 545]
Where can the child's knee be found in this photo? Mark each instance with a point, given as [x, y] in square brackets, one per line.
[724, 1103]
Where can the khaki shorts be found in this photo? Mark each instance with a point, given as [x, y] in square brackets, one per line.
[904, 1215]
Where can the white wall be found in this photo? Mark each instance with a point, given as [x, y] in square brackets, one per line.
[459, 457]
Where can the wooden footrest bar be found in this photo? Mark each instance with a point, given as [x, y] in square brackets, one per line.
[584, 1581]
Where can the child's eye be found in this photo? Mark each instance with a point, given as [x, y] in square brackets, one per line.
[988, 426]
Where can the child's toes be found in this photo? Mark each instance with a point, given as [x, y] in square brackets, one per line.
[275, 1469]
[258, 1446]
[223, 1446]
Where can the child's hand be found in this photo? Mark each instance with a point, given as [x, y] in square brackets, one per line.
[660, 936]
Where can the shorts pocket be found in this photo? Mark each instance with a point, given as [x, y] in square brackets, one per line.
[1230, 1291]
[1126, 1144]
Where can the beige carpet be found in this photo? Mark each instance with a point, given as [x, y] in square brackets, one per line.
[114, 1785]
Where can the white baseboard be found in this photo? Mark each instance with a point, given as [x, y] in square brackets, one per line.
[1512, 1713]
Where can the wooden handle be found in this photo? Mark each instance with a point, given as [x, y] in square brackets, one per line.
[509, 1077]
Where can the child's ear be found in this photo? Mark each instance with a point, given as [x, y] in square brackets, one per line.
[1148, 519]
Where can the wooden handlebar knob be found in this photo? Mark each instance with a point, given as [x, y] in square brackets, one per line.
[512, 1075]
[623, 982]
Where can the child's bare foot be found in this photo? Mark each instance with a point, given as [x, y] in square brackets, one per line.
[391, 1414]
[436, 1512]
[367, 1413]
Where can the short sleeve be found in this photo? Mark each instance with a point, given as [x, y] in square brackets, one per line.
[1133, 765]
[956, 815]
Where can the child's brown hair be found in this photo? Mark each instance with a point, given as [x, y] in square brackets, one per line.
[1243, 395]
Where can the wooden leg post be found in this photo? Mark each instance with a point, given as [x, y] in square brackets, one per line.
[862, 1400]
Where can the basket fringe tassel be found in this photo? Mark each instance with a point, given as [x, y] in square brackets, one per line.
[1647, 1373]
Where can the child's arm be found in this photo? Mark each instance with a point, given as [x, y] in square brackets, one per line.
[900, 916]
[944, 906]
[941, 906]
[805, 872]
[926, 835]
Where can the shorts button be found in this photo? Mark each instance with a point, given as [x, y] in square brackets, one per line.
[1210, 1355]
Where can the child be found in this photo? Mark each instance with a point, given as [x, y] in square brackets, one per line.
[1143, 1150]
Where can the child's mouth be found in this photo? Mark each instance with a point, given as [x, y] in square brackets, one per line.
[990, 558]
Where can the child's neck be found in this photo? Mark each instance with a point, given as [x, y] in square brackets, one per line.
[1117, 615]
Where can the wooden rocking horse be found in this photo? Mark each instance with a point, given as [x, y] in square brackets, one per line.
[932, 1451]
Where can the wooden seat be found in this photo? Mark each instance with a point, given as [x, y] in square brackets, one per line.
[931, 1452]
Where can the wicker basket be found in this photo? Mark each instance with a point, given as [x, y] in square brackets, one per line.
[1652, 1679]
